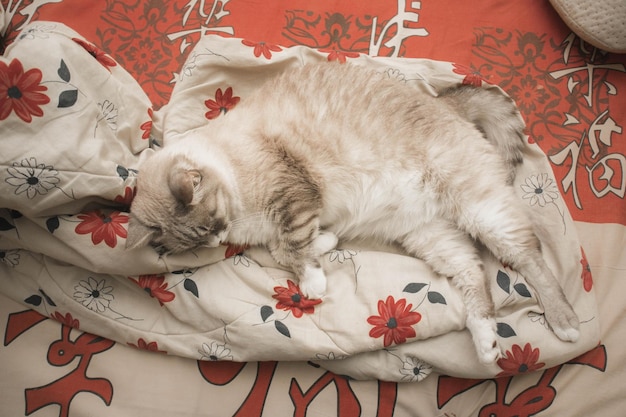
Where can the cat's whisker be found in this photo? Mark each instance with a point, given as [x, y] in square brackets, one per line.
[248, 223]
[252, 219]
[248, 217]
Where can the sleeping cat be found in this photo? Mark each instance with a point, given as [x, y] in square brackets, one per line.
[333, 151]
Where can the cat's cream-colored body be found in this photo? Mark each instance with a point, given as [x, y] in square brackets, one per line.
[343, 150]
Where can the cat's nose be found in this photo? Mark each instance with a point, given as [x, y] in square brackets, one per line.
[221, 236]
[213, 242]
[217, 239]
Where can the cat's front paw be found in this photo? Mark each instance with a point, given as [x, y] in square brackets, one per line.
[313, 283]
[485, 337]
[324, 242]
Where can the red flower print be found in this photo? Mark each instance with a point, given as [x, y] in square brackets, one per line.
[21, 91]
[102, 227]
[143, 345]
[519, 361]
[127, 198]
[147, 126]
[97, 53]
[233, 250]
[66, 319]
[291, 299]
[472, 77]
[394, 321]
[586, 275]
[156, 286]
[337, 55]
[222, 103]
[262, 48]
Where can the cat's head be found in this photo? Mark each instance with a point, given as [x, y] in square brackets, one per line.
[179, 205]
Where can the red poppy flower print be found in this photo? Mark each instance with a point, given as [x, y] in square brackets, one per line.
[472, 77]
[147, 126]
[127, 198]
[66, 319]
[143, 345]
[586, 275]
[394, 321]
[103, 227]
[103, 58]
[337, 55]
[262, 48]
[222, 104]
[21, 92]
[156, 286]
[519, 361]
[290, 298]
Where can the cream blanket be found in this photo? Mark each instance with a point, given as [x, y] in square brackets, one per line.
[74, 127]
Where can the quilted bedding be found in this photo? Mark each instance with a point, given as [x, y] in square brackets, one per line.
[77, 125]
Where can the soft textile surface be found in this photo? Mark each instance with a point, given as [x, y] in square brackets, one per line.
[572, 97]
[70, 154]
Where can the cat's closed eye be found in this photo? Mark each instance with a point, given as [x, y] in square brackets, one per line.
[160, 249]
[155, 241]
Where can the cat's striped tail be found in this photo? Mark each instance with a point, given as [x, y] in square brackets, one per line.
[496, 115]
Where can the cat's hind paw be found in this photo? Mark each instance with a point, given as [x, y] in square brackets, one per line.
[564, 323]
[485, 337]
[313, 283]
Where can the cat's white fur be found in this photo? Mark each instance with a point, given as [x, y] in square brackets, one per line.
[343, 150]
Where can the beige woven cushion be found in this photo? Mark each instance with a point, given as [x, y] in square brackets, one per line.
[602, 23]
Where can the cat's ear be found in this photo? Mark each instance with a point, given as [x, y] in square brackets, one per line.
[184, 183]
[138, 235]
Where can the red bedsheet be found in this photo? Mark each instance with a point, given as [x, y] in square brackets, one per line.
[522, 46]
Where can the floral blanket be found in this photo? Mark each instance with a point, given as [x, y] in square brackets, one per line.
[74, 127]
